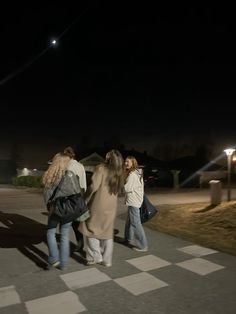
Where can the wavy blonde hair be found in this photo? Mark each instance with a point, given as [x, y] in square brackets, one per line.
[56, 170]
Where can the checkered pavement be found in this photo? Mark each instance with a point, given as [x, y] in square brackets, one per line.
[94, 288]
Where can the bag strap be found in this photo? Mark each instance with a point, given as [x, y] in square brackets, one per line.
[53, 194]
[55, 190]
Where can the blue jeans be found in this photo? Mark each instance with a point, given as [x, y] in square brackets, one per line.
[54, 254]
[134, 232]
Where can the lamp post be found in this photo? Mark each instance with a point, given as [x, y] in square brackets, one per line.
[229, 152]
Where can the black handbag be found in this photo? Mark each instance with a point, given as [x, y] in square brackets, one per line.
[147, 210]
[68, 208]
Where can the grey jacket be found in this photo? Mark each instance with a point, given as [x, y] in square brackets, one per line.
[68, 185]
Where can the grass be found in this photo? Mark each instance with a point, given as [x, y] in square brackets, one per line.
[201, 223]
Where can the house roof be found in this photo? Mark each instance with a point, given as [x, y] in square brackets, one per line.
[142, 157]
[92, 160]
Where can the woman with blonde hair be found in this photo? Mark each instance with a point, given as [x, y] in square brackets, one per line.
[134, 190]
[58, 181]
[101, 197]
[56, 170]
[78, 169]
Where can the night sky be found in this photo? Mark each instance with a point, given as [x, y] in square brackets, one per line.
[141, 73]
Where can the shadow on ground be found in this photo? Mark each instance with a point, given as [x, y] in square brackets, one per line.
[205, 209]
[24, 234]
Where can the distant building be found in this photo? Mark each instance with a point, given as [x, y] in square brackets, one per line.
[213, 172]
[206, 176]
[91, 161]
[29, 172]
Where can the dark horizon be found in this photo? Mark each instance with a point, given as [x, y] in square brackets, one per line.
[143, 74]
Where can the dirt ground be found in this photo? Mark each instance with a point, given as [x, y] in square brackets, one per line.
[210, 226]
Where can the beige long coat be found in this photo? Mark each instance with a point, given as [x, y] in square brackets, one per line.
[102, 205]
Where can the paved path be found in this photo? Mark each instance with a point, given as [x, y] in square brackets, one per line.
[183, 196]
[175, 276]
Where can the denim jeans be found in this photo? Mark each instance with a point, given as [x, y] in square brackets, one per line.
[134, 232]
[63, 254]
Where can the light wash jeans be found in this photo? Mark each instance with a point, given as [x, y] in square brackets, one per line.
[54, 254]
[134, 232]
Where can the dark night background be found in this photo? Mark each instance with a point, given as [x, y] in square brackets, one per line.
[151, 77]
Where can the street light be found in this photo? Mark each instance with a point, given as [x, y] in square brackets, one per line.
[229, 152]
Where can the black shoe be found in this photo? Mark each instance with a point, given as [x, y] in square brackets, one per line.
[116, 231]
[79, 246]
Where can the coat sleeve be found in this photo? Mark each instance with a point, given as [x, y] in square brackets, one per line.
[96, 181]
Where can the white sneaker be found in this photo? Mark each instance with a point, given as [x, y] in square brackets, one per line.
[89, 263]
[140, 250]
[106, 264]
[55, 264]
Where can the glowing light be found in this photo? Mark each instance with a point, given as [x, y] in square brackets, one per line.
[25, 172]
[229, 151]
[53, 41]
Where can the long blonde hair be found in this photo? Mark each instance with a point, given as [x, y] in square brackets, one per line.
[56, 170]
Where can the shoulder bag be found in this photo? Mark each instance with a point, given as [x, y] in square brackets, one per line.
[147, 210]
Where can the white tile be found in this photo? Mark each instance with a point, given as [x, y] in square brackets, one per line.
[140, 283]
[200, 266]
[9, 296]
[197, 250]
[61, 303]
[148, 262]
[84, 278]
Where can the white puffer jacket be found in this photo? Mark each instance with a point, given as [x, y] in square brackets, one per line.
[134, 189]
